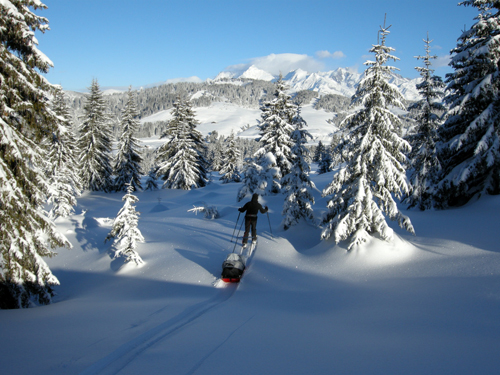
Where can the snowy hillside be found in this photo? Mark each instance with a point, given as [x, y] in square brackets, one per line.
[424, 304]
[227, 117]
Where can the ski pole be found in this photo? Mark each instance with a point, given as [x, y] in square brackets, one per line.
[269, 220]
[238, 219]
[239, 230]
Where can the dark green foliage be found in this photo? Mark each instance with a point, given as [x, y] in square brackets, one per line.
[95, 143]
[470, 137]
[180, 160]
[128, 159]
[26, 122]
[425, 165]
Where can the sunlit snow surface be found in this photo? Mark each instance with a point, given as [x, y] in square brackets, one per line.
[424, 304]
[227, 117]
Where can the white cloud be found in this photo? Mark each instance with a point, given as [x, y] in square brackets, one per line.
[281, 63]
[330, 55]
[188, 79]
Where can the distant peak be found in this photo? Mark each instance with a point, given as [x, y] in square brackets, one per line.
[255, 73]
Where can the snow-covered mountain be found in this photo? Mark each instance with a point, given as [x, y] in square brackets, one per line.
[250, 73]
[342, 81]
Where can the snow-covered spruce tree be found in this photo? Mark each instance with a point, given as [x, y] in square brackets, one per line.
[320, 148]
[214, 151]
[325, 161]
[216, 157]
[151, 183]
[469, 149]
[261, 175]
[423, 157]
[128, 158]
[230, 171]
[95, 143]
[180, 160]
[125, 232]
[362, 189]
[335, 156]
[299, 197]
[253, 181]
[64, 180]
[26, 233]
[275, 130]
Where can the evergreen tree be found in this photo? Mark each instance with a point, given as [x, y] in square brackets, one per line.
[470, 148]
[125, 231]
[325, 161]
[65, 184]
[362, 190]
[214, 151]
[128, 158]
[180, 160]
[318, 153]
[26, 233]
[95, 143]
[151, 183]
[217, 157]
[335, 155]
[299, 197]
[424, 161]
[229, 170]
[253, 181]
[275, 130]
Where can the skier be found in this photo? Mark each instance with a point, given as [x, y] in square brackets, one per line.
[252, 208]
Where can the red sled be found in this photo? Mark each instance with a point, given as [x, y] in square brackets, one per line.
[232, 268]
[231, 280]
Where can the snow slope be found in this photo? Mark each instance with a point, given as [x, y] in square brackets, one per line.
[225, 117]
[425, 304]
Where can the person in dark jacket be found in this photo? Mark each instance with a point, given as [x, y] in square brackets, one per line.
[252, 208]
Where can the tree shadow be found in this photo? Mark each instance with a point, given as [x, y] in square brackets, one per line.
[90, 235]
[159, 208]
[202, 259]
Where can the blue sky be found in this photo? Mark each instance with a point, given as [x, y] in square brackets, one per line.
[133, 42]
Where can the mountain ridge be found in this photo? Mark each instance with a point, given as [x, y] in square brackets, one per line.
[341, 81]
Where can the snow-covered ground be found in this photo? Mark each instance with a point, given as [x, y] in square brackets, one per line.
[227, 117]
[424, 304]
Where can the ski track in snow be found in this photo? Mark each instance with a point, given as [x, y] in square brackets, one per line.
[201, 361]
[125, 354]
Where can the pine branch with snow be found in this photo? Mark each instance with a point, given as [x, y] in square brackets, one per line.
[210, 212]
